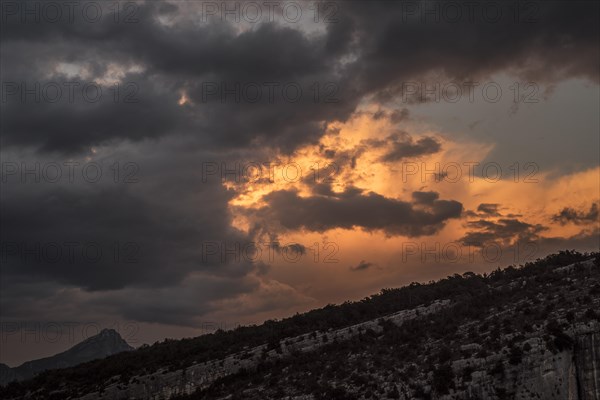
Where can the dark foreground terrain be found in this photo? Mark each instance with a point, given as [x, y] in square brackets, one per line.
[531, 332]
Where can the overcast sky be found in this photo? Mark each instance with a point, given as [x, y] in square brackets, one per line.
[172, 167]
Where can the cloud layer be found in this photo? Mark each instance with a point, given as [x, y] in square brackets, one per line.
[179, 90]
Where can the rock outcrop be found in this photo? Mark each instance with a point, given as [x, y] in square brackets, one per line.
[587, 361]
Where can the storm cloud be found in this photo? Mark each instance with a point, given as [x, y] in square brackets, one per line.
[570, 215]
[371, 49]
[178, 90]
[355, 209]
[505, 230]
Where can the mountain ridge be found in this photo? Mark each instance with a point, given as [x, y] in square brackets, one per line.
[107, 342]
[517, 331]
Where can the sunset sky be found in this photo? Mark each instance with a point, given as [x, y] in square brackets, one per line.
[247, 162]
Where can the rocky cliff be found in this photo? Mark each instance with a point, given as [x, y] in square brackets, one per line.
[587, 365]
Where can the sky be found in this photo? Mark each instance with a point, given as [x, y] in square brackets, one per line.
[170, 168]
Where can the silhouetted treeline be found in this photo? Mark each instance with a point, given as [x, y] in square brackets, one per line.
[471, 294]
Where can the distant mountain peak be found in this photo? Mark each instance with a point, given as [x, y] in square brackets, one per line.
[105, 343]
[106, 334]
[108, 331]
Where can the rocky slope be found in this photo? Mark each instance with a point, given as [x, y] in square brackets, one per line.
[541, 345]
[519, 333]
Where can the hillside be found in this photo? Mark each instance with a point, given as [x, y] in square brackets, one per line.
[530, 332]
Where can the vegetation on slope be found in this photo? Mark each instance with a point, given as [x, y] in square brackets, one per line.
[470, 292]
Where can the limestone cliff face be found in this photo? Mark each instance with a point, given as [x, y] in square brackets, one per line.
[164, 384]
[587, 360]
[572, 374]
[567, 375]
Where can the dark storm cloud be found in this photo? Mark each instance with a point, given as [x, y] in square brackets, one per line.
[341, 159]
[182, 305]
[159, 224]
[355, 209]
[156, 245]
[165, 225]
[586, 240]
[570, 215]
[486, 210]
[396, 45]
[401, 145]
[398, 116]
[293, 249]
[425, 197]
[504, 230]
[408, 148]
[272, 69]
[362, 266]
[395, 116]
[66, 127]
[489, 209]
[372, 49]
